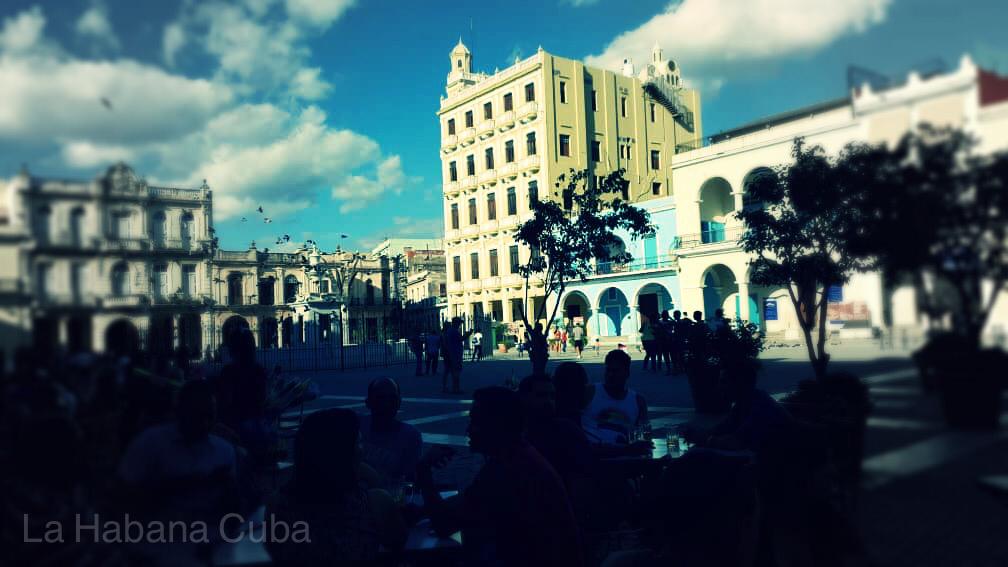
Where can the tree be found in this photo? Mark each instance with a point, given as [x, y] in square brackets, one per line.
[937, 216]
[567, 235]
[800, 233]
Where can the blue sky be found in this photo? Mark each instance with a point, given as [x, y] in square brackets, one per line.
[323, 111]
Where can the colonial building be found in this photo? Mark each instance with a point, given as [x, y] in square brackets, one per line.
[506, 137]
[89, 254]
[694, 262]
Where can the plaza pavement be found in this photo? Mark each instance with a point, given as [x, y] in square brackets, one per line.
[922, 503]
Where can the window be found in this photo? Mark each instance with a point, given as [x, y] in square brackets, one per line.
[189, 281]
[568, 200]
[594, 101]
[43, 224]
[42, 275]
[474, 265]
[457, 268]
[655, 159]
[161, 281]
[530, 146]
[470, 164]
[78, 274]
[469, 119]
[563, 92]
[234, 289]
[452, 172]
[494, 269]
[290, 289]
[488, 111]
[623, 106]
[120, 280]
[77, 227]
[512, 199]
[652, 111]
[513, 256]
[598, 181]
[596, 150]
[530, 92]
[533, 193]
[491, 207]
[564, 145]
[489, 158]
[158, 228]
[454, 216]
[508, 102]
[186, 227]
[121, 225]
[451, 126]
[442, 290]
[656, 188]
[472, 211]
[625, 151]
[509, 151]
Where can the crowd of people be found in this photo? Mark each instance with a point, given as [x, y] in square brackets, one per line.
[565, 463]
[665, 338]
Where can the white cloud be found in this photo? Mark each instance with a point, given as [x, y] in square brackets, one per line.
[309, 85]
[94, 25]
[172, 41]
[46, 98]
[713, 39]
[319, 13]
[86, 154]
[22, 32]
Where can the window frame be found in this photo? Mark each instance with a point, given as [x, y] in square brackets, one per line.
[563, 92]
[564, 145]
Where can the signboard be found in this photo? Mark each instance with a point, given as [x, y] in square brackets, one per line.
[769, 309]
[834, 294]
[850, 311]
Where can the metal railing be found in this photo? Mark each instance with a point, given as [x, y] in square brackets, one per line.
[657, 263]
[727, 235]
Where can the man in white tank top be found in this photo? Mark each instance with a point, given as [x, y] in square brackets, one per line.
[613, 410]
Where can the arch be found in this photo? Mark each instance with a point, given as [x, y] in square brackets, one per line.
[122, 338]
[613, 312]
[754, 175]
[120, 283]
[652, 298]
[290, 289]
[719, 284]
[716, 204]
[233, 325]
[576, 304]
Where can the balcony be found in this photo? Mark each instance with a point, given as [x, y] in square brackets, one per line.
[130, 300]
[506, 121]
[451, 188]
[11, 286]
[509, 171]
[722, 237]
[493, 282]
[528, 111]
[531, 163]
[66, 299]
[455, 287]
[468, 182]
[512, 280]
[473, 285]
[174, 194]
[467, 137]
[488, 226]
[488, 177]
[172, 244]
[509, 221]
[449, 143]
[452, 234]
[485, 129]
[663, 262]
[127, 244]
[470, 231]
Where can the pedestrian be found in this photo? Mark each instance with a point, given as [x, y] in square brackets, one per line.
[648, 342]
[578, 332]
[477, 345]
[416, 345]
[680, 330]
[663, 332]
[444, 356]
[563, 340]
[432, 347]
[453, 345]
[720, 324]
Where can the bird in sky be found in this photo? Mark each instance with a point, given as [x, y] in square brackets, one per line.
[244, 219]
[106, 103]
[260, 208]
[267, 220]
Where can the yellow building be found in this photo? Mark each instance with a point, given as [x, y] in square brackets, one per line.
[506, 138]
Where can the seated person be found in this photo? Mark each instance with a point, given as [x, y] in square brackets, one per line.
[754, 415]
[389, 446]
[179, 471]
[613, 410]
[560, 441]
[516, 511]
[346, 522]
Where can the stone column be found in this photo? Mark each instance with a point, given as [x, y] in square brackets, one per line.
[744, 311]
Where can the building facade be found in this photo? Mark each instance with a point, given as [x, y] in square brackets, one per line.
[507, 137]
[697, 230]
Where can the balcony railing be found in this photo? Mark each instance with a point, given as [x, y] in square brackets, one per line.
[449, 143]
[468, 182]
[11, 286]
[180, 244]
[729, 236]
[127, 244]
[509, 171]
[506, 120]
[129, 300]
[488, 177]
[528, 111]
[485, 129]
[175, 194]
[451, 187]
[531, 163]
[467, 137]
[662, 262]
